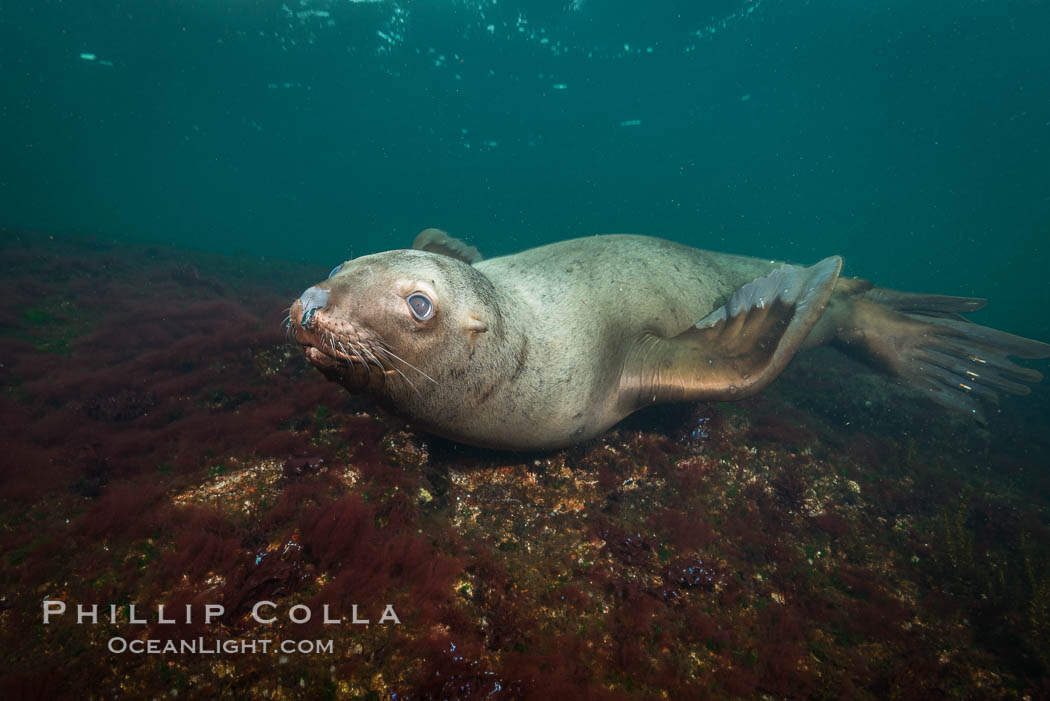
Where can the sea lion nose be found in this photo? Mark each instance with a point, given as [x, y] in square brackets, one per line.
[312, 299]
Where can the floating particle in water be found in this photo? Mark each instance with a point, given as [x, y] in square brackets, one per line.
[396, 19]
[93, 58]
[560, 86]
[631, 123]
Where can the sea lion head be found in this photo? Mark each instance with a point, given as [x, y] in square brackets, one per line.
[394, 321]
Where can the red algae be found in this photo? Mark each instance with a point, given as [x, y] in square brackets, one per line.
[125, 511]
[207, 542]
[170, 448]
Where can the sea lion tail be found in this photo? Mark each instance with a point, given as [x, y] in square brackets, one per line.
[924, 340]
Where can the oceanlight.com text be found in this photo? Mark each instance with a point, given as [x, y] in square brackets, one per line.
[229, 646]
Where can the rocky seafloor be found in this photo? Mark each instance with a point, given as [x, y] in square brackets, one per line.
[163, 444]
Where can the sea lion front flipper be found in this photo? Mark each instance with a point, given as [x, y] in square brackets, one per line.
[739, 348]
[438, 241]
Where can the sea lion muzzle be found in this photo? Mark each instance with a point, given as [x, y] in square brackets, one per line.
[346, 352]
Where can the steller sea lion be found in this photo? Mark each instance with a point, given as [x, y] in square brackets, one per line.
[554, 345]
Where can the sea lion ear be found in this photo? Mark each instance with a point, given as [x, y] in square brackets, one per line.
[438, 241]
[473, 324]
[740, 347]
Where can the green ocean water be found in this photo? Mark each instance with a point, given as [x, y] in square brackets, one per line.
[912, 138]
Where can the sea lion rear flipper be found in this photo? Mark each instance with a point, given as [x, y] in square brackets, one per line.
[923, 340]
[739, 348]
[438, 241]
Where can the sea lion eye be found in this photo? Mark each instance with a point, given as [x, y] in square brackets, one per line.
[335, 270]
[421, 306]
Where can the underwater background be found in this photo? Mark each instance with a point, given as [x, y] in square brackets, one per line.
[911, 138]
[173, 174]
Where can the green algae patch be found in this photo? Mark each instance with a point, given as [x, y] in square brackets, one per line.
[53, 325]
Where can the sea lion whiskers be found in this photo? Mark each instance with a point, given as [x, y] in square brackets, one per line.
[358, 348]
[346, 358]
[327, 337]
[353, 349]
[289, 331]
[386, 349]
[357, 354]
[372, 357]
[338, 347]
[398, 371]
